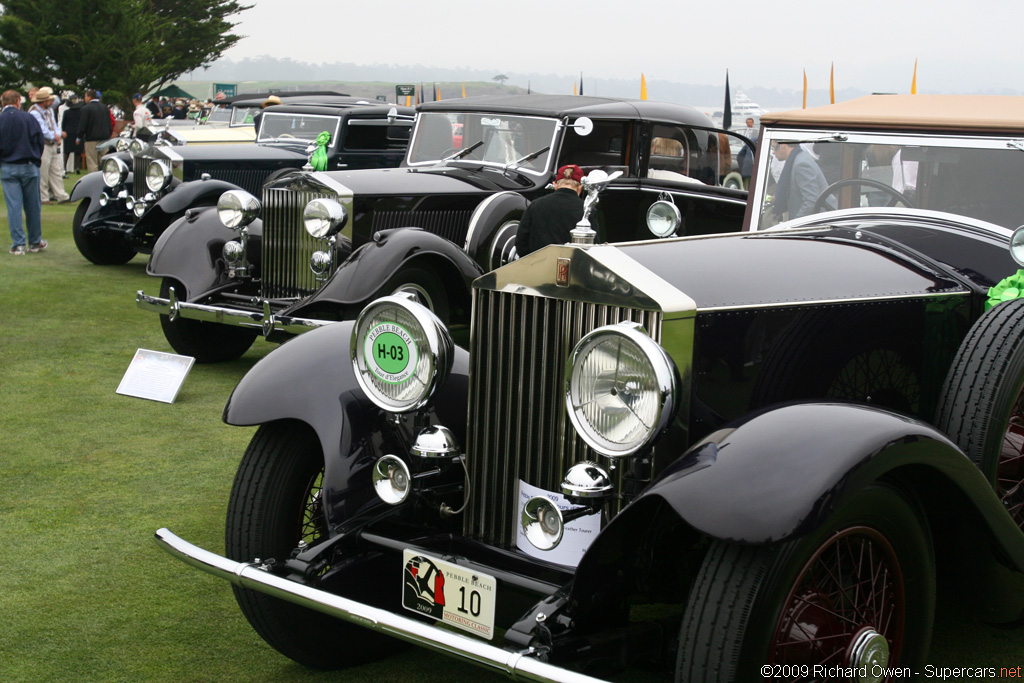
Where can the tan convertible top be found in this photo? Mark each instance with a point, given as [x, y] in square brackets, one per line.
[981, 113]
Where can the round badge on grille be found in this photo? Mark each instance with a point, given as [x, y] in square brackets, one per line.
[390, 353]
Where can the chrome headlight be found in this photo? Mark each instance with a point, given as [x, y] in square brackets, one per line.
[1017, 245]
[136, 147]
[237, 208]
[401, 353]
[621, 389]
[115, 171]
[139, 208]
[122, 145]
[663, 218]
[158, 175]
[324, 218]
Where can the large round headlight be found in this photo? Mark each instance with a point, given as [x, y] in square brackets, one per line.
[115, 171]
[237, 208]
[401, 353]
[158, 175]
[621, 389]
[324, 218]
[136, 147]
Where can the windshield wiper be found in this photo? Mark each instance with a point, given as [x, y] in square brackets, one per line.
[514, 165]
[461, 153]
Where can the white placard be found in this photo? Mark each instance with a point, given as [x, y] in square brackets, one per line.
[578, 536]
[155, 375]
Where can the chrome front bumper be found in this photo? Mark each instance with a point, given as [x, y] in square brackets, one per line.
[521, 666]
[265, 321]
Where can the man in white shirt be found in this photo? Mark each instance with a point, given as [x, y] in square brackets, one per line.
[142, 116]
[51, 170]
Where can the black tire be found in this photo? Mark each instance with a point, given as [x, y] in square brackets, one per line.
[981, 407]
[103, 249]
[275, 503]
[424, 285]
[790, 603]
[205, 341]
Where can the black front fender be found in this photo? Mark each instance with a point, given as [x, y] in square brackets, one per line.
[179, 198]
[310, 379]
[359, 279]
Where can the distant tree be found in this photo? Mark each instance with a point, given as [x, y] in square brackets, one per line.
[501, 78]
[116, 46]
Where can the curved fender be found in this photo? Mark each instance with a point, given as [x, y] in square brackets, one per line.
[359, 278]
[190, 194]
[89, 185]
[310, 379]
[488, 216]
[781, 472]
[189, 248]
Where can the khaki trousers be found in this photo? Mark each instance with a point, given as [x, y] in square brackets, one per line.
[92, 158]
[51, 175]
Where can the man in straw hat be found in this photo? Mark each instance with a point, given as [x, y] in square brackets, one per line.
[51, 169]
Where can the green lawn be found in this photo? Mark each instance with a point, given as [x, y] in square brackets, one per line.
[87, 475]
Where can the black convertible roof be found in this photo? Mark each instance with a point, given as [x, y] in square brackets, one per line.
[572, 106]
[338, 106]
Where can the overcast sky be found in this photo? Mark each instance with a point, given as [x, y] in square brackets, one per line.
[960, 48]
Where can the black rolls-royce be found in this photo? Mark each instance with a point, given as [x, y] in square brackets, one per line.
[730, 457]
[317, 247]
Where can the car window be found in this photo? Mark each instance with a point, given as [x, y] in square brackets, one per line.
[376, 134]
[277, 127]
[607, 147]
[970, 177]
[499, 139]
[243, 116]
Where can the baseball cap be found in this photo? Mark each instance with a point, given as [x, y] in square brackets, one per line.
[570, 172]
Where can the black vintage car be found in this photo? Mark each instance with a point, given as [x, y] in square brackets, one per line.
[319, 246]
[119, 217]
[731, 457]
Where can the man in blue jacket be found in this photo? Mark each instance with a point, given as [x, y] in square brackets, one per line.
[21, 147]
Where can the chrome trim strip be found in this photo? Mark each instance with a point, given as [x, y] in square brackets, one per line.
[520, 666]
[264, 321]
[820, 302]
[684, 192]
[170, 153]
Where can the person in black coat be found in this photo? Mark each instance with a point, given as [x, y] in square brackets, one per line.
[69, 124]
[94, 127]
[549, 219]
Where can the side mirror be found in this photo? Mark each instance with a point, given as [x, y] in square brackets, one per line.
[392, 115]
[583, 126]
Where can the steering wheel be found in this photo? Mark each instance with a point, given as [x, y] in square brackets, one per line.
[286, 135]
[897, 196]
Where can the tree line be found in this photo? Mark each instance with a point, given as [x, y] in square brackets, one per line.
[119, 47]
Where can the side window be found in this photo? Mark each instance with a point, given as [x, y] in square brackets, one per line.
[376, 136]
[682, 154]
[607, 147]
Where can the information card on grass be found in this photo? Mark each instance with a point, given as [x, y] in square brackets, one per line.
[155, 375]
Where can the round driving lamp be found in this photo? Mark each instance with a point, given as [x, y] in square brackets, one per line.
[663, 219]
[401, 353]
[122, 145]
[542, 523]
[320, 264]
[391, 479]
[136, 147]
[324, 218]
[1017, 245]
[436, 441]
[158, 175]
[115, 171]
[139, 208]
[586, 480]
[104, 199]
[621, 389]
[237, 208]
[233, 252]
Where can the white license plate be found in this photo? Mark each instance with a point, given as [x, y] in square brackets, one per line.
[449, 593]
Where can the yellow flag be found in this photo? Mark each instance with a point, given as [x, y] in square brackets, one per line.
[805, 88]
[643, 87]
[832, 84]
[574, 87]
[913, 83]
[463, 89]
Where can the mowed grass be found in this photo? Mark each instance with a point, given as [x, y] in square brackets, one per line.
[87, 475]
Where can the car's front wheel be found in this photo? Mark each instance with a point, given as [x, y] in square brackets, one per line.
[207, 342]
[103, 249]
[857, 591]
[276, 503]
[424, 286]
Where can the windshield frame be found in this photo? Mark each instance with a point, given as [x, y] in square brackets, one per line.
[549, 155]
[333, 129]
[1007, 143]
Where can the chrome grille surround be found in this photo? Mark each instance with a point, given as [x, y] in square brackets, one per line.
[139, 165]
[523, 331]
[287, 247]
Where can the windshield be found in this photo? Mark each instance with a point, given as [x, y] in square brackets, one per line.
[219, 114]
[276, 127]
[243, 116]
[973, 177]
[502, 139]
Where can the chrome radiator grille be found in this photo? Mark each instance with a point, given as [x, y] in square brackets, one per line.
[139, 165]
[451, 225]
[287, 246]
[518, 428]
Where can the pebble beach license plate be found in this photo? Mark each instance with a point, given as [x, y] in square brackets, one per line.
[449, 593]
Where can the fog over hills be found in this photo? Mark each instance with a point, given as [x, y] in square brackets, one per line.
[384, 76]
